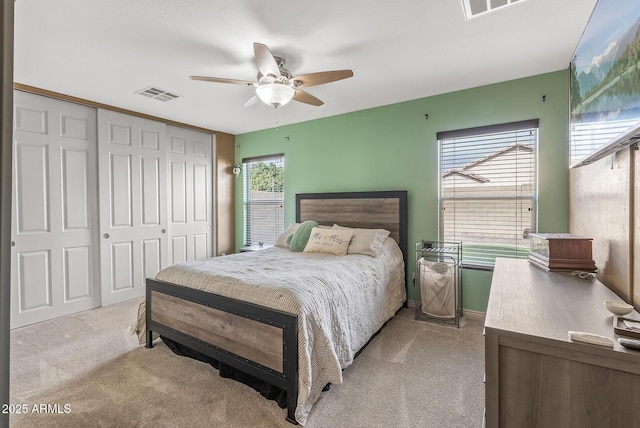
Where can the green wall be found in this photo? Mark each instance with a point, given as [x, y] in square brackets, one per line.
[394, 147]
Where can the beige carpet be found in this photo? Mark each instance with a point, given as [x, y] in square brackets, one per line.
[86, 370]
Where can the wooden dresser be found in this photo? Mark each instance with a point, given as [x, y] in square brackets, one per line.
[535, 376]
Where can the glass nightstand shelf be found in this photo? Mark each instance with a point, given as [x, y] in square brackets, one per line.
[561, 252]
[255, 247]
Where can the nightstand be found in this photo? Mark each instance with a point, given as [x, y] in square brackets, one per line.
[255, 247]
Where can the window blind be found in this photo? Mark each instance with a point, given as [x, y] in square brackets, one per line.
[487, 190]
[263, 198]
[589, 137]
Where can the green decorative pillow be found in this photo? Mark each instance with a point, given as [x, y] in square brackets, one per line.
[299, 239]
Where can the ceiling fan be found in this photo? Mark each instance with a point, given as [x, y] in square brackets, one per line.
[275, 86]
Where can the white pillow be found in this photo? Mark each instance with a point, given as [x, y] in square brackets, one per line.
[282, 239]
[331, 241]
[365, 241]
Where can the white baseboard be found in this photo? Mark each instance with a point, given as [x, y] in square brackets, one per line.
[467, 313]
[473, 315]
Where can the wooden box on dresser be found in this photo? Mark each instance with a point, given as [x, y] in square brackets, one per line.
[537, 377]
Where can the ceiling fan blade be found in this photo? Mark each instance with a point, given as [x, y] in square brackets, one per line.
[265, 61]
[307, 98]
[222, 80]
[322, 77]
[251, 101]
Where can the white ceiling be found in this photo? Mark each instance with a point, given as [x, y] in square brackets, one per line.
[106, 50]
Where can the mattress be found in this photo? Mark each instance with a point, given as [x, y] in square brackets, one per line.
[341, 301]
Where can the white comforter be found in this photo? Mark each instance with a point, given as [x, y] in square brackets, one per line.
[340, 301]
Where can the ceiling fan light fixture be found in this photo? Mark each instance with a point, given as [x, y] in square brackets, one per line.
[275, 87]
[275, 94]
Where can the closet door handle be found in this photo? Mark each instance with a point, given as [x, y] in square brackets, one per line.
[13, 243]
[105, 236]
[163, 231]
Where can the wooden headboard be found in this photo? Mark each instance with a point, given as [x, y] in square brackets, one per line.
[369, 210]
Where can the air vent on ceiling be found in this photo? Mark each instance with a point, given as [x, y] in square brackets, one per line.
[474, 8]
[157, 94]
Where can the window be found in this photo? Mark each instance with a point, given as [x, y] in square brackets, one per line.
[263, 198]
[589, 137]
[473, 8]
[488, 190]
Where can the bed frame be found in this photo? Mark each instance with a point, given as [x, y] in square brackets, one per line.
[257, 340]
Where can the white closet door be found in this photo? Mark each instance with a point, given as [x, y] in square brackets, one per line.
[54, 224]
[133, 203]
[190, 194]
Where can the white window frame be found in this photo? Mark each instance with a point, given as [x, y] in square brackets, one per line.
[487, 190]
[589, 137]
[475, 8]
[264, 211]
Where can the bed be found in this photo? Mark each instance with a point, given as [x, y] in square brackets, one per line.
[280, 339]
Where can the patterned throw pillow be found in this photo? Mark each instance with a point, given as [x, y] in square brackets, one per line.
[365, 241]
[331, 241]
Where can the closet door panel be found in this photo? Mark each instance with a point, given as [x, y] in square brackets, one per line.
[150, 174]
[178, 249]
[178, 193]
[120, 191]
[34, 280]
[200, 246]
[121, 266]
[32, 186]
[191, 194]
[133, 203]
[75, 196]
[151, 254]
[77, 273]
[200, 189]
[54, 223]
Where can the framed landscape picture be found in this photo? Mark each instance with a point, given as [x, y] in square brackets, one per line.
[605, 80]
